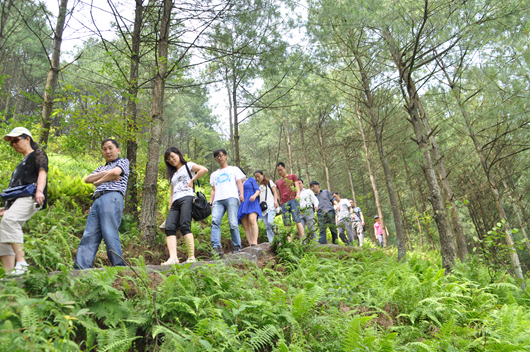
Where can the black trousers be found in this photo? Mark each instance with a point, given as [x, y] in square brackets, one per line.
[179, 216]
[327, 219]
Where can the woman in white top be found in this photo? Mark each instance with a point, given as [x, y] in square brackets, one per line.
[269, 196]
[181, 175]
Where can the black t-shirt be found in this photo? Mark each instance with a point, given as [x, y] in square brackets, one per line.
[27, 172]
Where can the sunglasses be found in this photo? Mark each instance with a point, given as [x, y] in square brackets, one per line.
[16, 140]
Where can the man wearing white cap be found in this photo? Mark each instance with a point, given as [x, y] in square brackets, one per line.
[31, 172]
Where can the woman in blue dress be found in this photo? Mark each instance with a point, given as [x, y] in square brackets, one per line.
[250, 210]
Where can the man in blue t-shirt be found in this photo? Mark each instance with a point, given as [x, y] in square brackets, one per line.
[105, 214]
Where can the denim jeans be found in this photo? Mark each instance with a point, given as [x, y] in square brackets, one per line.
[307, 217]
[268, 220]
[102, 223]
[291, 208]
[327, 219]
[219, 208]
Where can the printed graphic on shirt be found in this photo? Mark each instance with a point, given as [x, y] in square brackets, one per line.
[222, 178]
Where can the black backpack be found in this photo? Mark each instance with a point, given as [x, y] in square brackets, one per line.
[200, 209]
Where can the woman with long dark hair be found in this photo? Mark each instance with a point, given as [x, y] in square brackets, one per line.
[181, 175]
[270, 197]
[250, 210]
[33, 169]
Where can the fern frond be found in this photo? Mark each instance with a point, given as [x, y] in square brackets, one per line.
[263, 337]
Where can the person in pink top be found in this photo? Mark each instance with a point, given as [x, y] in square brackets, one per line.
[289, 198]
[378, 230]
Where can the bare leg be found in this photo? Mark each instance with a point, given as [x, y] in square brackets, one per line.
[253, 225]
[172, 247]
[8, 262]
[246, 226]
[300, 228]
[190, 243]
[19, 252]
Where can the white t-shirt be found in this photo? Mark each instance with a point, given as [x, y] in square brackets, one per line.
[224, 181]
[180, 181]
[344, 209]
[308, 199]
[266, 195]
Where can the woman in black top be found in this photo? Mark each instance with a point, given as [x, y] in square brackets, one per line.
[32, 169]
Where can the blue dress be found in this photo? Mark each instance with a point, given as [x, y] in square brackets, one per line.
[247, 207]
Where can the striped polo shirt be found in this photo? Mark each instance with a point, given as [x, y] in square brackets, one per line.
[120, 185]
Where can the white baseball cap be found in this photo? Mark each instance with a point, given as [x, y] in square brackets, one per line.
[17, 131]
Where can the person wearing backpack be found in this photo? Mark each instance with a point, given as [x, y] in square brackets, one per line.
[32, 171]
[181, 175]
[358, 223]
[268, 200]
[308, 206]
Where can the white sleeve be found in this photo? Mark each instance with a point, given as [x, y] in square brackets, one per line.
[314, 199]
[237, 173]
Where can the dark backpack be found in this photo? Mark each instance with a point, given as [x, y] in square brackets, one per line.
[200, 208]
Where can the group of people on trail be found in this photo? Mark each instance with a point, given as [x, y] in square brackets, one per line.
[245, 199]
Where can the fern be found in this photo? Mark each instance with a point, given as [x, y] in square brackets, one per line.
[263, 337]
[28, 317]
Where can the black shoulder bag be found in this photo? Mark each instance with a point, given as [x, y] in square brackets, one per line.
[200, 208]
[263, 204]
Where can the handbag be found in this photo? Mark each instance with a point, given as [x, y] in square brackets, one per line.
[200, 208]
[18, 192]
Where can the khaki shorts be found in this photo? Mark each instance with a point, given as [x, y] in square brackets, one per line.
[12, 221]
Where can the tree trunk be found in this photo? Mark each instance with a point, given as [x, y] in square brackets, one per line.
[53, 75]
[323, 154]
[348, 165]
[289, 152]
[236, 123]
[230, 119]
[491, 182]
[372, 177]
[401, 240]
[304, 152]
[516, 211]
[6, 10]
[518, 198]
[416, 213]
[149, 195]
[131, 206]
[413, 107]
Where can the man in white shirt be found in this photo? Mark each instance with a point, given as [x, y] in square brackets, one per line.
[358, 223]
[308, 206]
[227, 192]
[343, 218]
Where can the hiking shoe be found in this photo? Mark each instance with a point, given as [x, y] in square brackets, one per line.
[218, 251]
[236, 249]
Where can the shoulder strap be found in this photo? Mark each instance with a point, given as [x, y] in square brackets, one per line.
[191, 177]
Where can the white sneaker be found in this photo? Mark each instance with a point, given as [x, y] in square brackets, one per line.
[18, 271]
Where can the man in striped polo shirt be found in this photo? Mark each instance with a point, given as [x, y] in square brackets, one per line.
[105, 214]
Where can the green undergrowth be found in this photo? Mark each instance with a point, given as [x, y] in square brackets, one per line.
[314, 299]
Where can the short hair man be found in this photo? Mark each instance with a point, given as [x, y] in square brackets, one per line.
[289, 194]
[358, 223]
[308, 206]
[326, 213]
[227, 192]
[344, 217]
[105, 214]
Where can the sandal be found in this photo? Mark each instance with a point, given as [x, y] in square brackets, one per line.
[171, 262]
[191, 260]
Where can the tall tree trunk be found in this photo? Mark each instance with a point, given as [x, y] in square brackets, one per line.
[231, 120]
[236, 122]
[132, 144]
[6, 10]
[401, 240]
[516, 211]
[348, 165]
[416, 213]
[372, 177]
[289, 152]
[149, 195]
[517, 197]
[304, 151]
[491, 181]
[53, 74]
[323, 154]
[414, 109]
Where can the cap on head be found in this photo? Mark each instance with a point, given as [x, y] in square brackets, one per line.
[376, 217]
[313, 183]
[17, 131]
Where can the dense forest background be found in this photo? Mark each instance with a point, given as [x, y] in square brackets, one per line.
[418, 110]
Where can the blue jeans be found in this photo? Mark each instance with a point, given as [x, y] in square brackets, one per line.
[268, 220]
[102, 223]
[289, 208]
[219, 208]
